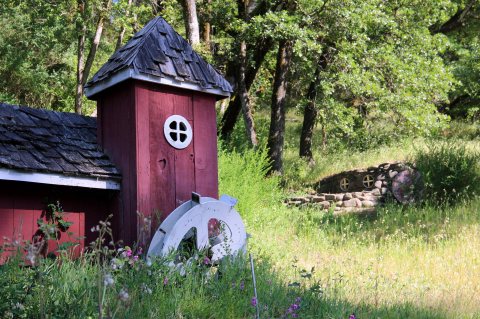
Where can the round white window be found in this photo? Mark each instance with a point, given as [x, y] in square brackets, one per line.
[178, 131]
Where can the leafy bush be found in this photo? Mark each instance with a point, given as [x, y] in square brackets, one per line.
[450, 171]
[462, 130]
[243, 176]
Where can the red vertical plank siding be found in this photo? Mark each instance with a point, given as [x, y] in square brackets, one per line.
[99, 123]
[143, 163]
[6, 224]
[81, 234]
[205, 144]
[184, 158]
[6, 218]
[156, 177]
[162, 155]
[27, 210]
[73, 234]
[118, 133]
[22, 204]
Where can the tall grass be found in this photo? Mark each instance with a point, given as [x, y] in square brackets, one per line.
[403, 262]
[394, 264]
[450, 171]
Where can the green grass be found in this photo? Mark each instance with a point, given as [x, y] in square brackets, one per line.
[419, 261]
[421, 257]
[406, 262]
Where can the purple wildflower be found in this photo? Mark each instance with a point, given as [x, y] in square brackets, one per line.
[254, 302]
[165, 281]
[206, 260]
[123, 295]
[352, 316]
[242, 285]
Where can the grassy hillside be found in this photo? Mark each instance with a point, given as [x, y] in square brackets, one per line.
[421, 261]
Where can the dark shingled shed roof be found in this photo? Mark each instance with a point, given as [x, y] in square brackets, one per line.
[157, 53]
[45, 141]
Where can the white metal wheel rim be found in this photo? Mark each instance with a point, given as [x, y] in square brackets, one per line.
[198, 217]
[156, 243]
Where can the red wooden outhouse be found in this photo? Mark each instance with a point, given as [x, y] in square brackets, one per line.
[152, 144]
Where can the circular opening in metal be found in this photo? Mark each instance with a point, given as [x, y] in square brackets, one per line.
[368, 181]
[178, 131]
[344, 184]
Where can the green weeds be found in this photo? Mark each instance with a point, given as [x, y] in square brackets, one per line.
[450, 171]
[418, 261]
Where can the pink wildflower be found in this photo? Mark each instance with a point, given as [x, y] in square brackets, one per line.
[206, 260]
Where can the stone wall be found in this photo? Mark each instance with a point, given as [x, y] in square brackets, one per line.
[342, 202]
[360, 179]
[360, 190]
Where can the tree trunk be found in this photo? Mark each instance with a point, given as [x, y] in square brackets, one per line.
[243, 97]
[83, 68]
[93, 48]
[206, 34]
[242, 91]
[191, 21]
[234, 107]
[311, 112]
[206, 26]
[80, 59]
[157, 7]
[457, 20]
[309, 118]
[121, 34]
[246, 10]
[279, 94]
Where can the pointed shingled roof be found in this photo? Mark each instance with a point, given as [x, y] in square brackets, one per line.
[158, 54]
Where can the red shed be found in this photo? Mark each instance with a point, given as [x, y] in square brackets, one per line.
[153, 142]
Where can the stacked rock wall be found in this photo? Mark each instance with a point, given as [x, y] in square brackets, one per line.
[357, 190]
[354, 201]
[361, 179]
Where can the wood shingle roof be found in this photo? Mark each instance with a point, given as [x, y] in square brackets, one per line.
[157, 53]
[38, 140]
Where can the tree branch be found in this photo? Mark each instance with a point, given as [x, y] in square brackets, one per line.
[457, 20]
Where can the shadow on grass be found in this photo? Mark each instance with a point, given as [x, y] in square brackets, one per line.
[421, 221]
[70, 289]
[339, 309]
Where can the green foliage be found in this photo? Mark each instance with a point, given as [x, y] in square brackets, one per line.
[113, 282]
[243, 176]
[384, 63]
[450, 171]
[35, 53]
[462, 130]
